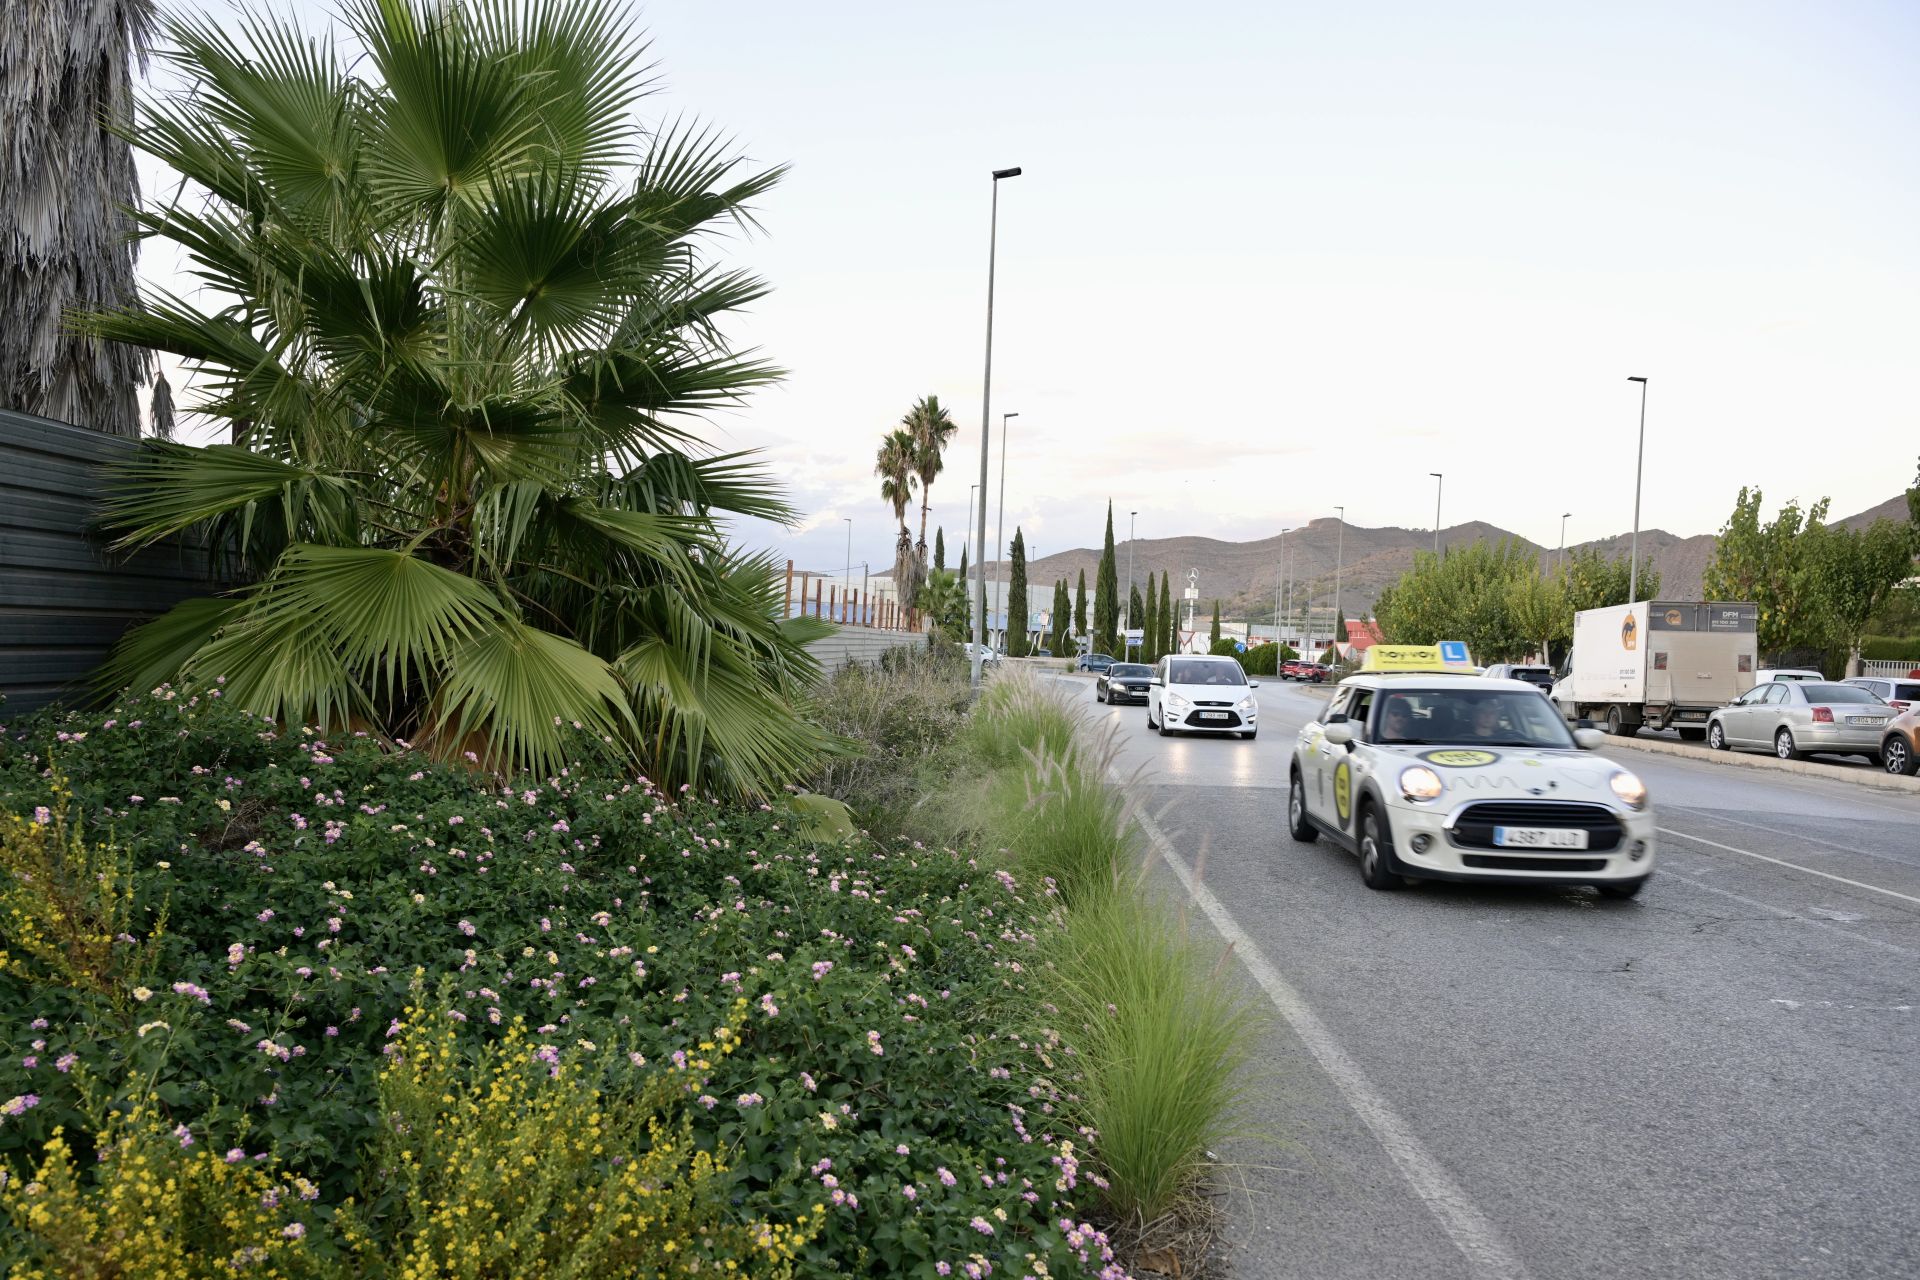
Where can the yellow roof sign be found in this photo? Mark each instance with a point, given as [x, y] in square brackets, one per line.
[1448, 655]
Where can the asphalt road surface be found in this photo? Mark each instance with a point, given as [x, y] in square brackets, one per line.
[1720, 1078]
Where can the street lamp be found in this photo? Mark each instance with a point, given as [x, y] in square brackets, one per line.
[1633, 572]
[1562, 561]
[986, 417]
[1438, 481]
[1339, 555]
[1126, 610]
[1278, 574]
[846, 589]
[1000, 520]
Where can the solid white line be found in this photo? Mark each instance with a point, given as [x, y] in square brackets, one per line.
[1781, 862]
[1478, 1240]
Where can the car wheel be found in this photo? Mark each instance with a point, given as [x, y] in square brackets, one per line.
[1716, 737]
[1783, 745]
[1621, 888]
[1897, 756]
[1376, 852]
[1297, 825]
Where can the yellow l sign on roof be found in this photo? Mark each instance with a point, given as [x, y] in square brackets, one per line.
[1448, 655]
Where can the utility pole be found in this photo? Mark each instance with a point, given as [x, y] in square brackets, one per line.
[1339, 556]
[1633, 570]
[1561, 563]
[986, 421]
[1279, 574]
[1438, 481]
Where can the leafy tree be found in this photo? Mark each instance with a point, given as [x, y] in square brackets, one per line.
[1855, 572]
[1772, 564]
[1150, 624]
[1080, 605]
[1463, 595]
[1016, 620]
[940, 548]
[66, 238]
[945, 605]
[1169, 619]
[1592, 581]
[1106, 596]
[1062, 618]
[462, 366]
[1213, 637]
[894, 465]
[1537, 609]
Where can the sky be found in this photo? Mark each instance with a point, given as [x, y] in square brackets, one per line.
[1269, 258]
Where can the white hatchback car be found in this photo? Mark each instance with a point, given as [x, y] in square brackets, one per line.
[1196, 693]
[1434, 776]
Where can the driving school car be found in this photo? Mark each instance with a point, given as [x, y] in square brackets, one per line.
[1429, 771]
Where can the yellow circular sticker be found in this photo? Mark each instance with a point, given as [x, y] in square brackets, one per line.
[1459, 758]
[1343, 790]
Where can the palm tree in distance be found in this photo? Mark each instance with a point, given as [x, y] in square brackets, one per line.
[931, 428]
[894, 464]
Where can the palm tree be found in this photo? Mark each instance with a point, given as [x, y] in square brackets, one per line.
[931, 428]
[894, 464]
[468, 329]
[66, 90]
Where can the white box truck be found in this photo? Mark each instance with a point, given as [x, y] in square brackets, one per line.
[1665, 664]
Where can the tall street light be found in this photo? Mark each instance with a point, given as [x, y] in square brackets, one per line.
[846, 591]
[1633, 573]
[1279, 574]
[1339, 555]
[986, 418]
[1126, 610]
[1562, 561]
[1438, 481]
[1000, 520]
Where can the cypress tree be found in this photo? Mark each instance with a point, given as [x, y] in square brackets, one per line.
[1150, 625]
[1017, 598]
[940, 548]
[1080, 606]
[1106, 594]
[1340, 630]
[1214, 638]
[1168, 618]
[1136, 615]
[1062, 617]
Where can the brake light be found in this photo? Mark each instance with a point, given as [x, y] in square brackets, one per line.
[1823, 715]
[1899, 704]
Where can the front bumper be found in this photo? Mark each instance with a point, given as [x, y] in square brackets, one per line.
[1459, 846]
[1120, 693]
[1198, 719]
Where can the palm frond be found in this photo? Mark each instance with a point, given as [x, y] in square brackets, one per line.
[165, 489]
[156, 652]
[519, 691]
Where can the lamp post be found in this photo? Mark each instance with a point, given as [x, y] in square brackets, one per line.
[986, 418]
[1278, 576]
[1561, 562]
[1438, 481]
[1633, 571]
[1000, 520]
[1339, 556]
[1126, 610]
[846, 589]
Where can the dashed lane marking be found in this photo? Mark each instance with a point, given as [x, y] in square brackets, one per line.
[1794, 866]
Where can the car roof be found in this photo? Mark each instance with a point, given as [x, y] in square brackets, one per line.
[1416, 680]
[1206, 657]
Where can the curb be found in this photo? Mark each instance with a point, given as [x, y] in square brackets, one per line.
[1874, 778]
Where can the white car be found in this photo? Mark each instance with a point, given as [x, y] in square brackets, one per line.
[1197, 693]
[1430, 775]
[1766, 675]
[988, 657]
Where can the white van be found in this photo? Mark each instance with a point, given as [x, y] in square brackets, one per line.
[1199, 693]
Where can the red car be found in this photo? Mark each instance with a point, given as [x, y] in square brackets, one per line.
[1302, 670]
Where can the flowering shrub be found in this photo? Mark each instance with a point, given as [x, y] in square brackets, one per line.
[846, 1026]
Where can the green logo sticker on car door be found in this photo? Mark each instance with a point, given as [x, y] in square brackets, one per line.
[1343, 791]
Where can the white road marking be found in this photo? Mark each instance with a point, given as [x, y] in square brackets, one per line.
[1844, 917]
[1781, 862]
[1471, 1231]
[1783, 914]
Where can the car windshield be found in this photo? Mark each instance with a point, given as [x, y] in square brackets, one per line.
[1836, 693]
[1218, 673]
[1131, 669]
[1482, 717]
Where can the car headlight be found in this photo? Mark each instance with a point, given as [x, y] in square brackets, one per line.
[1247, 703]
[1629, 790]
[1419, 783]
[1177, 702]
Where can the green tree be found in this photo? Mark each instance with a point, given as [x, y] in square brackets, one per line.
[1463, 595]
[1855, 572]
[894, 465]
[1593, 581]
[66, 234]
[931, 428]
[1213, 637]
[1080, 605]
[945, 605]
[1340, 630]
[1016, 620]
[1136, 614]
[1106, 595]
[1537, 608]
[940, 548]
[1169, 619]
[461, 366]
[1772, 564]
[1062, 618]
[1150, 624]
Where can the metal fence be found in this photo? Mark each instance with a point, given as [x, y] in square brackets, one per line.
[64, 599]
[1878, 668]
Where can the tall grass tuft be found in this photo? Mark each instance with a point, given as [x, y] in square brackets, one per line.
[1165, 1042]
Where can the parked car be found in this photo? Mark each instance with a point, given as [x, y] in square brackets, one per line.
[988, 657]
[1540, 678]
[1767, 674]
[1900, 749]
[1795, 717]
[1094, 662]
[1043, 652]
[1196, 693]
[1123, 682]
[1304, 671]
[1899, 692]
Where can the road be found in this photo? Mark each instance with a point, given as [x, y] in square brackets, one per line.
[1718, 1079]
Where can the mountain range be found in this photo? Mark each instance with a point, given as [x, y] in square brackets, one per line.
[1244, 576]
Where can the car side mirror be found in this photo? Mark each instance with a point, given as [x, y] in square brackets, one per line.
[1339, 733]
[1589, 739]
[1583, 723]
[1253, 684]
[1157, 683]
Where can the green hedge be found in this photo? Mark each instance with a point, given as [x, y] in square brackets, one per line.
[1265, 659]
[1890, 648]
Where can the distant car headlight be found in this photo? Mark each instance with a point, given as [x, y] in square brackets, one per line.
[1629, 790]
[1177, 702]
[1419, 783]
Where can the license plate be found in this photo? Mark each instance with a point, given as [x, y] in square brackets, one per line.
[1213, 715]
[1866, 720]
[1539, 838]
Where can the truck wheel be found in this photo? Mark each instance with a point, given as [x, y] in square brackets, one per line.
[1297, 825]
[1619, 726]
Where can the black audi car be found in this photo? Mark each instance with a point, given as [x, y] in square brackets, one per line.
[1123, 682]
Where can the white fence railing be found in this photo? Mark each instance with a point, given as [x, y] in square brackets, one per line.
[1877, 668]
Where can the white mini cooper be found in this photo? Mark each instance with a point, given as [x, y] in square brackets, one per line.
[1429, 775]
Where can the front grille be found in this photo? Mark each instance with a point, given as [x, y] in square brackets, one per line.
[1473, 829]
[1201, 702]
[1498, 862]
[1231, 722]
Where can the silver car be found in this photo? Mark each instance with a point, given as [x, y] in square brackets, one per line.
[1798, 717]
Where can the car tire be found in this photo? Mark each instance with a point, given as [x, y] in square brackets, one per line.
[1692, 735]
[1783, 745]
[1298, 825]
[1376, 852]
[1896, 756]
[1717, 737]
[1621, 888]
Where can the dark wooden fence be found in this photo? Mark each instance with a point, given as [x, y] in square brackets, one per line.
[64, 599]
